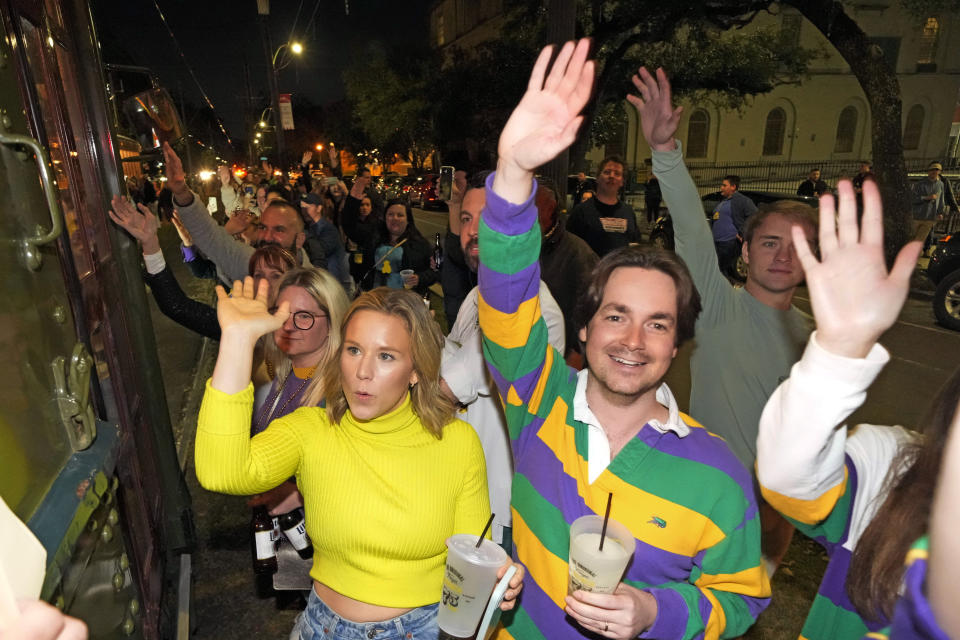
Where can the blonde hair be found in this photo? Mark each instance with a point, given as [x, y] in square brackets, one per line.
[330, 297]
[433, 408]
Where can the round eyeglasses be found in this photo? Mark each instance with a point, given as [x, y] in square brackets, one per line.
[303, 320]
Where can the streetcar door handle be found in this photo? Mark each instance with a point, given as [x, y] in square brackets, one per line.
[71, 392]
[30, 244]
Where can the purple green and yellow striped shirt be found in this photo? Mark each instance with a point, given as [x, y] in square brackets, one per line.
[687, 499]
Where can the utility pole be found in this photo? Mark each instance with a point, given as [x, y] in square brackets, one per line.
[263, 9]
[561, 26]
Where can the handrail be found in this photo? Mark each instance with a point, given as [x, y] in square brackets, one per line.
[49, 188]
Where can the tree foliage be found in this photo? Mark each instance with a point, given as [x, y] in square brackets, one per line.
[390, 96]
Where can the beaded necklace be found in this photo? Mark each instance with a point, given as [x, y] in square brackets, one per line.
[269, 407]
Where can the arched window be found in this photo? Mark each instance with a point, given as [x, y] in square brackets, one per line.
[846, 130]
[698, 134]
[774, 132]
[913, 128]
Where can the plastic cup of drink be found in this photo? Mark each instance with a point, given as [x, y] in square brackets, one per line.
[407, 276]
[468, 581]
[590, 568]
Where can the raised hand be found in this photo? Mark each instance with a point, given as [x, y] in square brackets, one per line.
[546, 120]
[854, 299]
[658, 117]
[334, 155]
[176, 178]
[244, 312]
[224, 174]
[238, 222]
[360, 184]
[141, 224]
[306, 158]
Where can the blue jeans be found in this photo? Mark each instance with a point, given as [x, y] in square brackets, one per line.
[319, 622]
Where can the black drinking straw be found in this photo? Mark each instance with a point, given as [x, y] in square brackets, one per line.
[489, 522]
[606, 517]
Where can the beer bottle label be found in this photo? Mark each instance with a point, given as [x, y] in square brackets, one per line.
[264, 543]
[298, 536]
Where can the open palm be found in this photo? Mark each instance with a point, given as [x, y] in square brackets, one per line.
[245, 309]
[548, 116]
[658, 117]
[138, 220]
[853, 296]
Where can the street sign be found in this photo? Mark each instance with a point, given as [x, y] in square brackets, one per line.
[286, 112]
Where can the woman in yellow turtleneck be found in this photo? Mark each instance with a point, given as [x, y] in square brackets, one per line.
[386, 472]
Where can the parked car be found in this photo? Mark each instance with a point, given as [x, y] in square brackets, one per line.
[944, 270]
[394, 186]
[661, 234]
[424, 193]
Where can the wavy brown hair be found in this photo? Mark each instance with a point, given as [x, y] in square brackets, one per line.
[877, 566]
[433, 408]
[666, 262]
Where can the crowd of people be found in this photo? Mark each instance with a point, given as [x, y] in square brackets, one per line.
[335, 390]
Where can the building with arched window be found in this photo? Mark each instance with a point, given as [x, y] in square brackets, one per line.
[913, 127]
[698, 134]
[774, 131]
[826, 118]
[846, 130]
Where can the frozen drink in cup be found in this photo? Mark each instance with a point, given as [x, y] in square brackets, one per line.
[468, 581]
[590, 568]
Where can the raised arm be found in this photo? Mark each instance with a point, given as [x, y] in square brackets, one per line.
[800, 451]
[230, 256]
[227, 459]
[543, 124]
[692, 237]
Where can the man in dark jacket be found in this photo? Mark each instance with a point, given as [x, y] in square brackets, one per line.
[565, 264]
[813, 186]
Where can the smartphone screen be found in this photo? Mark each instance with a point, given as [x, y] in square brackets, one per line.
[248, 189]
[331, 180]
[445, 183]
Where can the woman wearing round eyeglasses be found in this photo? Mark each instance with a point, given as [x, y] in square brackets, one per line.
[300, 347]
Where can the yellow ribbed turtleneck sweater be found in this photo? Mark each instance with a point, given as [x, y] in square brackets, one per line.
[381, 496]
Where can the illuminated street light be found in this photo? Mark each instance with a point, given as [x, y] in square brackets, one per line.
[296, 47]
[319, 146]
[205, 175]
[262, 124]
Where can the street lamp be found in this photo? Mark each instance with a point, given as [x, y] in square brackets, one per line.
[295, 48]
[263, 9]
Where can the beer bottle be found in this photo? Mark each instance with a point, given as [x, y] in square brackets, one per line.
[437, 252]
[264, 551]
[295, 529]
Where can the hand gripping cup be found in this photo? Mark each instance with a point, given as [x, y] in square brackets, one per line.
[593, 569]
[468, 581]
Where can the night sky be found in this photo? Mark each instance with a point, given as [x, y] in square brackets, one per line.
[216, 36]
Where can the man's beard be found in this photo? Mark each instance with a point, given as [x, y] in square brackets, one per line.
[472, 260]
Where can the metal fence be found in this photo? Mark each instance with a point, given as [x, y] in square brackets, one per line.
[782, 177]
